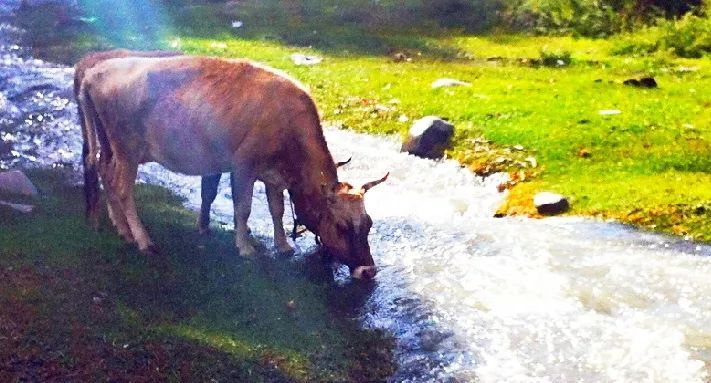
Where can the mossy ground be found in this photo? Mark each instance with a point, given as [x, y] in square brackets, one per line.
[82, 305]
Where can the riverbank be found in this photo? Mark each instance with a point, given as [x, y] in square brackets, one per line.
[83, 305]
[610, 303]
[639, 156]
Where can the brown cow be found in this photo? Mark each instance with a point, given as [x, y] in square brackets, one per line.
[205, 116]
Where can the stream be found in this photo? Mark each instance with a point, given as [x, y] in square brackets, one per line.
[468, 297]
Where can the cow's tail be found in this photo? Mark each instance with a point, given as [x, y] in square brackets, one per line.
[94, 138]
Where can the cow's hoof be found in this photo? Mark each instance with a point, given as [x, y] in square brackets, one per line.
[204, 230]
[286, 251]
[247, 251]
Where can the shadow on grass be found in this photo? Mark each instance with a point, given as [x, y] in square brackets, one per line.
[198, 312]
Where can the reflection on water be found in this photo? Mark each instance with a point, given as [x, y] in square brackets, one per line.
[467, 296]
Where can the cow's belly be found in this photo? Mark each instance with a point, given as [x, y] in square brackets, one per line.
[188, 149]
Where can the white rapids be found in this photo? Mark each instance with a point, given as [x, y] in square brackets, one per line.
[467, 296]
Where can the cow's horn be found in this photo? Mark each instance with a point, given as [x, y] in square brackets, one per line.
[369, 185]
[339, 164]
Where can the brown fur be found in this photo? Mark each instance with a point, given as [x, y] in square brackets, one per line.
[206, 115]
[91, 181]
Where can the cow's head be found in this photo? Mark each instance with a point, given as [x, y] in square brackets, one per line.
[344, 227]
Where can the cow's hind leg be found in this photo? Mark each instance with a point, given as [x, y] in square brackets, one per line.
[208, 193]
[125, 183]
[242, 189]
[275, 197]
[107, 170]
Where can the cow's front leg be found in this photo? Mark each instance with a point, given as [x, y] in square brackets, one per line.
[275, 197]
[208, 193]
[242, 189]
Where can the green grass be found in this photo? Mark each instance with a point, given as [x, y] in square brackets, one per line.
[649, 165]
[81, 303]
[655, 155]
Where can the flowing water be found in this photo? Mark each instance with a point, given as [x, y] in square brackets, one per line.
[467, 296]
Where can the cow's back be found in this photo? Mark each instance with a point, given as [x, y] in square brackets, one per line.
[195, 114]
[92, 59]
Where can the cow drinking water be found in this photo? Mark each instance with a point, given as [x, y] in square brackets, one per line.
[201, 116]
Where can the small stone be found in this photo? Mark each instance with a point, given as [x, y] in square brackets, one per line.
[291, 305]
[300, 59]
[609, 112]
[448, 82]
[400, 57]
[550, 203]
[16, 182]
[644, 82]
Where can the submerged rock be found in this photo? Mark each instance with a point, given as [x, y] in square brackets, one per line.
[550, 203]
[429, 137]
[16, 182]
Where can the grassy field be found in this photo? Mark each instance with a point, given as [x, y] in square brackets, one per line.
[83, 306]
[649, 165]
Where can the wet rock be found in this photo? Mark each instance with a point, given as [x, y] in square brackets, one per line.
[17, 206]
[429, 137]
[16, 182]
[550, 203]
[430, 339]
[644, 82]
[448, 82]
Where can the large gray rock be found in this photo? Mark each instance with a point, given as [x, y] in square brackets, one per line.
[16, 182]
[550, 203]
[429, 137]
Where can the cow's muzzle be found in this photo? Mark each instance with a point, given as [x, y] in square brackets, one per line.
[364, 272]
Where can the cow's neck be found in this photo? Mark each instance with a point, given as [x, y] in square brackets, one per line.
[313, 168]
